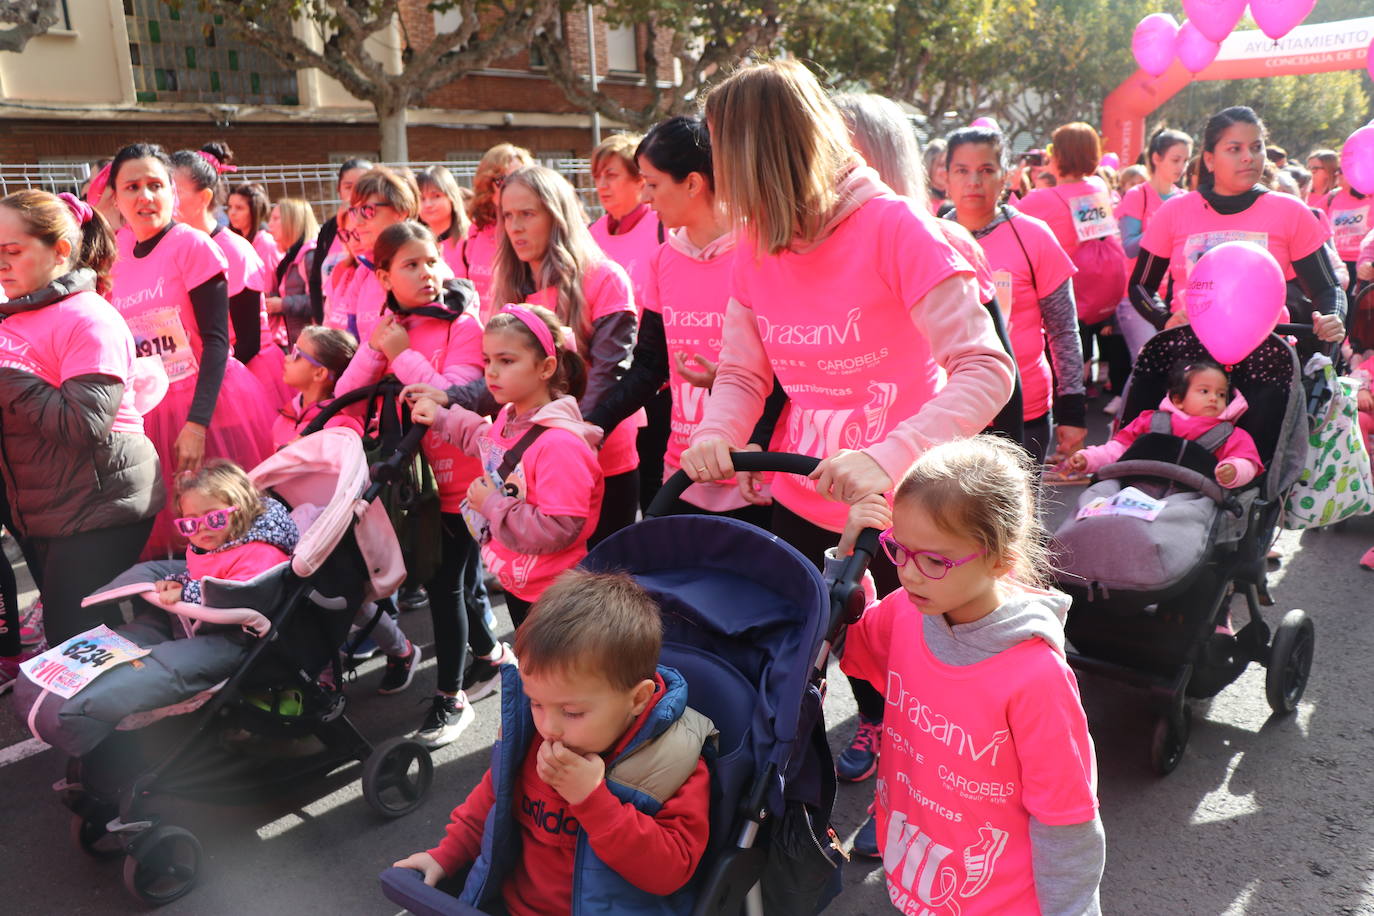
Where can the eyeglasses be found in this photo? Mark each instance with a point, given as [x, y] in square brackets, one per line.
[297, 353]
[931, 564]
[366, 212]
[215, 520]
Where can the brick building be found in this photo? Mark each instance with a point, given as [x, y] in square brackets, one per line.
[122, 70]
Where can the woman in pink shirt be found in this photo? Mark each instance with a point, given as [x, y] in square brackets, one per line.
[483, 238]
[1034, 280]
[81, 478]
[1231, 205]
[169, 284]
[1325, 166]
[547, 257]
[441, 209]
[330, 244]
[382, 198]
[850, 294]
[247, 209]
[1350, 223]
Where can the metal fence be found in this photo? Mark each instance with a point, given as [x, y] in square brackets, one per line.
[315, 182]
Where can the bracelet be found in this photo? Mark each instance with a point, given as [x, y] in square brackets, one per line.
[197, 428]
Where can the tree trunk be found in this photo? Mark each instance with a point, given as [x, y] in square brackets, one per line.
[391, 121]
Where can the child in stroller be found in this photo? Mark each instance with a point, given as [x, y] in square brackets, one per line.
[602, 753]
[1201, 407]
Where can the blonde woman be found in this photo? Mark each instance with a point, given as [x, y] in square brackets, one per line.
[547, 257]
[293, 227]
[478, 255]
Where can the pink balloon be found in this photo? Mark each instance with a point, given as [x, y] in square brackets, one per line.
[989, 123]
[1153, 43]
[1194, 49]
[1111, 160]
[1357, 159]
[1276, 18]
[1235, 297]
[1214, 18]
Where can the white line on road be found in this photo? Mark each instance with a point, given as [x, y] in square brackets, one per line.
[24, 749]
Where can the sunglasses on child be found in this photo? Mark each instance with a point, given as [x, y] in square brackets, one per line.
[214, 520]
[931, 564]
[297, 353]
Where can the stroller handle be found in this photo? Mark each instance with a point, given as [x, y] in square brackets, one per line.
[387, 386]
[846, 591]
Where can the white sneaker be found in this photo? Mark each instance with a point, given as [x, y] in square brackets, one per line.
[1112, 406]
[445, 721]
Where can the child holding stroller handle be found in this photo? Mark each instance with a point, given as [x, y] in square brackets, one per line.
[986, 793]
[1200, 401]
[600, 765]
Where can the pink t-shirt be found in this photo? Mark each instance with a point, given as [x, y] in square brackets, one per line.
[336, 295]
[367, 302]
[1186, 227]
[451, 250]
[295, 416]
[691, 294]
[1043, 261]
[478, 258]
[1350, 222]
[606, 288]
[245, 270]
[268, 253]
[153, 295]
[1075, 212]
[853, 364]
[558, 474]
[970, 754]
[634, 250]
[79, 335]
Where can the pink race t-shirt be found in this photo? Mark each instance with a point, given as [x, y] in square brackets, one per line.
[559, 475]
[1186, 227]
[633, 250]
[851, 361]
[1076, 212]
[245, 270]
[337, 305]
[1349, 222]
[268, 254]
[1028, 264]
[153, 295]
[367, 301]
[79, 335]
[607, 290]
[970, 754]
[478, 259]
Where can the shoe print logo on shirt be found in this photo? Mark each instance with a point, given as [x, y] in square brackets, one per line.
[922, 877]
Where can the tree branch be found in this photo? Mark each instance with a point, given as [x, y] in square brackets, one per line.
[30, 19]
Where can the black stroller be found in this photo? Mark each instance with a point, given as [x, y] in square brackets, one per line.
[346, 555]
[1172, 637]
[748, 621]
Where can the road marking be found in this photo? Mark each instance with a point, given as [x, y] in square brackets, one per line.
[24, 749]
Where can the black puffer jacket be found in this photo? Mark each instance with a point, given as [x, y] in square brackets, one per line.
[65, 471]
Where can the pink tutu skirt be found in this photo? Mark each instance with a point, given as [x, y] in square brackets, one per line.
[240, 430]
[267, 368]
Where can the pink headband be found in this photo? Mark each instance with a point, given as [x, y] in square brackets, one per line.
[98, 183]
[80, 209]
[220, 168]
[537, 327]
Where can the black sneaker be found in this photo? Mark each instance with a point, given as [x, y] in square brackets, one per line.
[413, 599]
[400, 671]
[445, 721]
[484, 674]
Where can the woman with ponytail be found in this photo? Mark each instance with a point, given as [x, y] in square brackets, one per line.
[82, 480]
[1231, 205]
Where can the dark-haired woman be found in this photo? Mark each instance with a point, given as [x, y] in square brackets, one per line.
[82, 479]
[247, 208]
[441, 209]
[329, 244]
[1231, 205]
[169, 284]
[1166, 157]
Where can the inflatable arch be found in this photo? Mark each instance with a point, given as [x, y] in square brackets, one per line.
[1316, 48]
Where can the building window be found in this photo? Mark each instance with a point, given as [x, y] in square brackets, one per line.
[622, 49]
[184, 55]
[537, 61]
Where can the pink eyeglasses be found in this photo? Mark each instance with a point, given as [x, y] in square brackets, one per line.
[214, 520]
[931, 564]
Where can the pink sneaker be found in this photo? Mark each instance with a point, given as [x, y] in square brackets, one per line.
[1367, 561]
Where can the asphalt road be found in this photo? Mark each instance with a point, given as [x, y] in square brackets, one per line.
[1264, 815]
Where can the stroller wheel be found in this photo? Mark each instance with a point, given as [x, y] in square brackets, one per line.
[1290, 662]
[1169, 740]
[162, 865]
[91, 837]
[396, 776]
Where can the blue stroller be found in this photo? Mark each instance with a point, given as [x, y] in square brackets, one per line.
[748, 622]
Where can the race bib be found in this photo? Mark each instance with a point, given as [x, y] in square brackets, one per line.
[1092, 216]
[1001, 279]
[159, 332]
[1349, 227]
[1200, 243]
[66, 669]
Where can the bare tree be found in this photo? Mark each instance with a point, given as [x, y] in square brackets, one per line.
[28, 18]
[487, 30]
[705, 39]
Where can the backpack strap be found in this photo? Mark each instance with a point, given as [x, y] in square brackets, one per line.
[1035, 288]
[517, 451]
[1216, 437]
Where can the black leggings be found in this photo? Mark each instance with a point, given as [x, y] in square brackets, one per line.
[518, 608]
[67, 569]
[1036, 437]
[652, 444]
[9, 589]
[1113, 351]
[812, 541]
[455, 606]
[619, 506]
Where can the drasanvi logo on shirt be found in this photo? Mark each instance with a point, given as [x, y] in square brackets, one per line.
[811, 335]
[939, 727]
[9, 347]
[681, 318]
[923, 874]
[135, 299]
